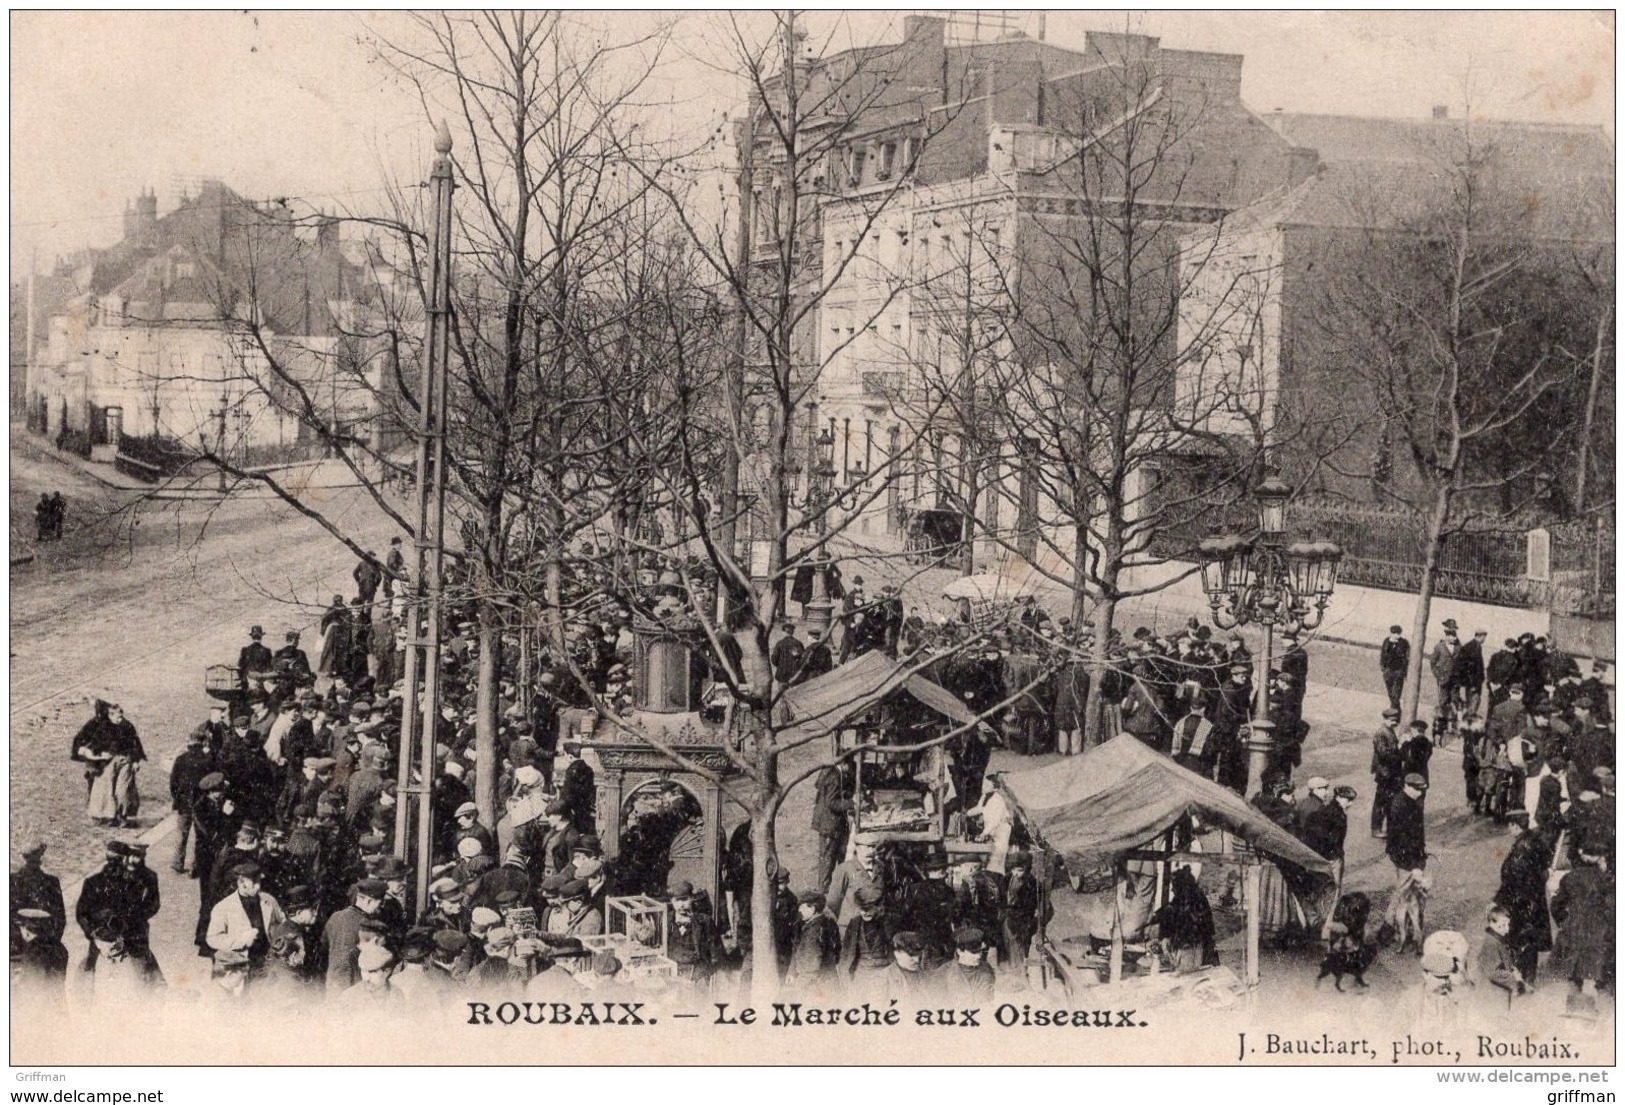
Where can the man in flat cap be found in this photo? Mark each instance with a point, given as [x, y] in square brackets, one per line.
[244, 846]
[1394, 660]
[1442, 662]
[373, 990]
[501, 970]
[817, 944]
[560, 841]
[450, 960]
[907, 981]
[32, 887]
[575, 917]
[469, 826]
[691, 941]
[851, 875]
[107, 897]
[866, 945]
[578, 788]
[968, 976]
[1407, 850]
[190, 767]
[366, 784]
[342, 935]
[1387, 769]
[308, 780]
[1416, 749]
[1230, 713]
[215, 818]
[928, 908]
[1325, 829]
[146, 899]
[242, 921]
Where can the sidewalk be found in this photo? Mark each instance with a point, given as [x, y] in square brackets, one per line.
[298, 476]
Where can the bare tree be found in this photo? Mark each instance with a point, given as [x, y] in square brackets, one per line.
[804, 116]
[1446, 309]
[1109, 356]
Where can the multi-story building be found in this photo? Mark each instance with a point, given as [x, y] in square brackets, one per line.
[960, 195]
[220, 322]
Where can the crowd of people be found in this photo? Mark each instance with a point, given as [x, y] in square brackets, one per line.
[1537, 752]
[287, 799]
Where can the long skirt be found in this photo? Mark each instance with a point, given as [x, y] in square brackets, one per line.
[113, 793]
[1276, 909]
[335, 645]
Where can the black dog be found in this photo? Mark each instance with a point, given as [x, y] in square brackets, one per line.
[1347, 953]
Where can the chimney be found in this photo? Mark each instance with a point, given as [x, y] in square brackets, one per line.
[146, 216]
[924, 27]
[1440, 111]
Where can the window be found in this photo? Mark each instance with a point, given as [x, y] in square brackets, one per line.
[854, 165]
[888, 161]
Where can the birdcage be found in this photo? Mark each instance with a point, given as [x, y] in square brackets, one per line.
[221, 681]
[642, 920]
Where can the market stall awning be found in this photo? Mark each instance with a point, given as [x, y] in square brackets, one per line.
[823, 704]
[1123, 795]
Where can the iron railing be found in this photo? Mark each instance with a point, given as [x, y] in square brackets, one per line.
[1383, 547]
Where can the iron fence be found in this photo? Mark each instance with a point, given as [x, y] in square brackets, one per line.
[1383, 549]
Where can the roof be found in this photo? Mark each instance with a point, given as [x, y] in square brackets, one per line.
[1556, 180]
[1123, 795]
[1366, 138]
[823, 704]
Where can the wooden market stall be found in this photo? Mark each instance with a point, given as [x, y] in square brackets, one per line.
[880, 710]
[1124, 803]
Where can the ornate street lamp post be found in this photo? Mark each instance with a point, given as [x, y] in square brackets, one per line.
[821, 482]
[1271, 582]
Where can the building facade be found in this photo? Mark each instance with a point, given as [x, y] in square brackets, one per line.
[220, 325]
[960, 215]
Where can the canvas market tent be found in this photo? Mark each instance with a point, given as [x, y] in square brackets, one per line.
[823, 704]
[1117, 800]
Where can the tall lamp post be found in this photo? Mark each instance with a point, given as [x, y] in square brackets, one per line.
[1265, 579]
[821, 482]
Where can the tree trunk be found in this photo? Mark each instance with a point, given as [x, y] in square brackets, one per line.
[1437, 521]
[970, 491]
[485, 722]
[1583, 461]
[553, 621]
[764, 961]
[1094, 710]
[1080, 561]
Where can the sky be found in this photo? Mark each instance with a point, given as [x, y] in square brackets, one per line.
[104, 104]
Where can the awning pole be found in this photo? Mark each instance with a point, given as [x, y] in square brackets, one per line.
[1255, 881]
[1119, 871]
